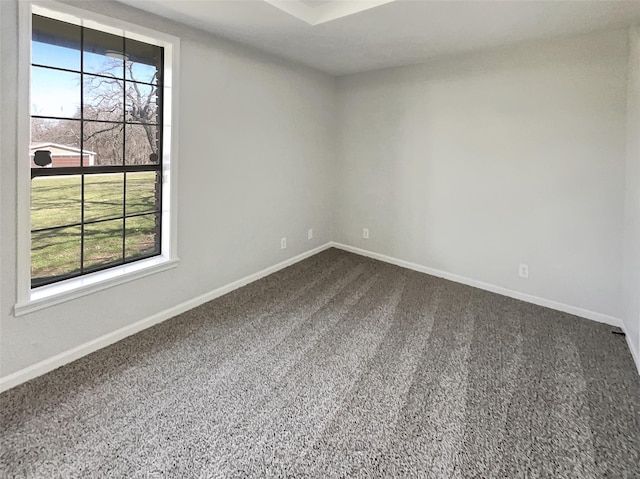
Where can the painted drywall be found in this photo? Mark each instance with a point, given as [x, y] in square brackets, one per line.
[475, 164]
[469, 165]
[631, 267]
[256, 141]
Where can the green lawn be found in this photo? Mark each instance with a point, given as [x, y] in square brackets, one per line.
[56, 201]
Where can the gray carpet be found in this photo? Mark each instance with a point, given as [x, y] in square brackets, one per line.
[338, 366]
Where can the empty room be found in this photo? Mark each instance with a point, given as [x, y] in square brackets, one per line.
[319, 238]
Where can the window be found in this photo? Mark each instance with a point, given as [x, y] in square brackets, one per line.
[99, 152]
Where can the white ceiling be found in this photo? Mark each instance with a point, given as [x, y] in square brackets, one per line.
[315, 12]
[391, 34]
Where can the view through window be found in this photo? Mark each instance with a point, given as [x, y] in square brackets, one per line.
[95, 152]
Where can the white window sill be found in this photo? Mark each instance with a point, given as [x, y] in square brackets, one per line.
[64, 291]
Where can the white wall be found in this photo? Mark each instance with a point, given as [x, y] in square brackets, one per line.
[470, 165]
[474, 164]
[256, 149]
[631, 284]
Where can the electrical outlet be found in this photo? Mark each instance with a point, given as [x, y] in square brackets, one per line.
[365, 233]
[310, 233]
[523, 270]
[283, 243]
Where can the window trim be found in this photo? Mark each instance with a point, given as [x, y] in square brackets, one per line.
[32, 299]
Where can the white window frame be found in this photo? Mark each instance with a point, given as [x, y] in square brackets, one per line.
[32, 299]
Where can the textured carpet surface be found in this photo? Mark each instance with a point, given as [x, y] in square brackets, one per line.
[339, 366]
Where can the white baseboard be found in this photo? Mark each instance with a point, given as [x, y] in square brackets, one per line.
[548, 303]
[584, 313]
[635, 354]
[42, 367]
[566, 308]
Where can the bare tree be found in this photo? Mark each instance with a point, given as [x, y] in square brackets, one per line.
[111, 99]
[108, 100]
[63, 132]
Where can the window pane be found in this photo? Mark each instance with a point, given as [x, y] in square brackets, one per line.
[103, 98]
[103, 196]
[55, 93]
[103, 53]
[55, 43]
[142, 235]
[55, 201]
[61, 138]
[102, 244]
[104, 142]
[54, 253]
[142, 104]
[141, 147]
[141, 192]
[110, 119]
[144, 61]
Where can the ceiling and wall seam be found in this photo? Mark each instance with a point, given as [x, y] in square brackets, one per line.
[397, 33]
